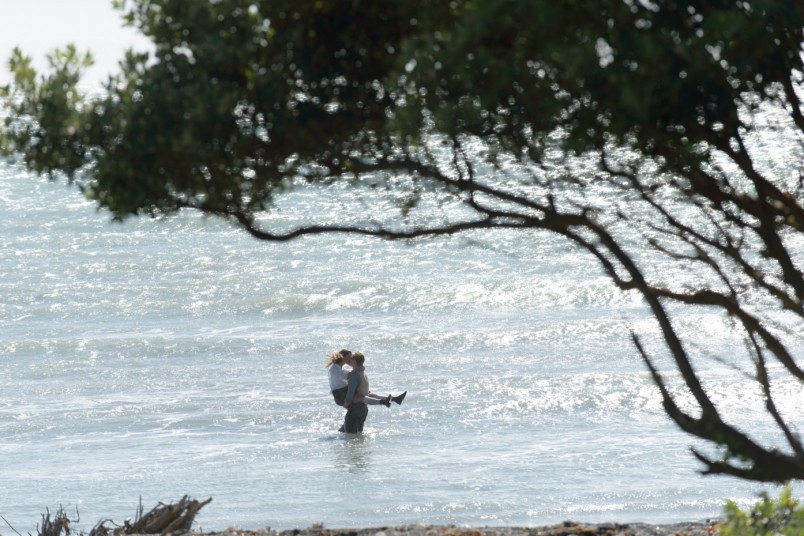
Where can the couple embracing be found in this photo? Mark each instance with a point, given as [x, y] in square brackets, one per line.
[350, 389]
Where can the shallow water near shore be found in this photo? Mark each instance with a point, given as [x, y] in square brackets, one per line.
[155, 359]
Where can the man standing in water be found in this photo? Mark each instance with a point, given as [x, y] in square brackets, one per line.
[358, 388]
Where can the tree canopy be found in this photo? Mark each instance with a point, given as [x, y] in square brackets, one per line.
[626, 126]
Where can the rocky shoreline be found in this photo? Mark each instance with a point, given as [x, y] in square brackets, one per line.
[568, 528]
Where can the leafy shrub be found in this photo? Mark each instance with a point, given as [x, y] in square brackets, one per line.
[782, 517]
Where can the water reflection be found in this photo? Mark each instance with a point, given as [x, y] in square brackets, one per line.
[354, 452]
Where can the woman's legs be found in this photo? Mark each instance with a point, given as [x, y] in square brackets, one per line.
[373, 400]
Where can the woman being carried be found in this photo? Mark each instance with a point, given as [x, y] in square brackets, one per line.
[339, 380]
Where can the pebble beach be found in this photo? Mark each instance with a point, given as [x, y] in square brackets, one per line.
[568, 528]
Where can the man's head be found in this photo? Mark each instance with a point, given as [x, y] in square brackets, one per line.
[359, 359]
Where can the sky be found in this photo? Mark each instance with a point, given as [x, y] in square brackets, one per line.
[39, 26]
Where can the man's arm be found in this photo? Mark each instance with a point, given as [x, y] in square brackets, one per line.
[354, 383]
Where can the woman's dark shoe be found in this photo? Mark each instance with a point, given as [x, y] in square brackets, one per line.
[399, 398]
[387, 401]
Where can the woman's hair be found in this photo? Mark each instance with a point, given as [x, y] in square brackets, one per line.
[359, 358]
[337, 358]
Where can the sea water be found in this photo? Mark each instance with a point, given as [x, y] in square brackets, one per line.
[156, 358]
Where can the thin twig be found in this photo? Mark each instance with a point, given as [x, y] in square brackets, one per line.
[9, 525]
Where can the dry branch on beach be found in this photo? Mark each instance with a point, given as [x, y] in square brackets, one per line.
[162, 519]
[59, 524]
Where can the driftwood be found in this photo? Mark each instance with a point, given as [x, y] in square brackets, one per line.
[61, 523]
[162, 519]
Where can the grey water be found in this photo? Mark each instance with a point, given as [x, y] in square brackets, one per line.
[157, 358]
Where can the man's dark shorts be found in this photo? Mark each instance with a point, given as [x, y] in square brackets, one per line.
[355, 418]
